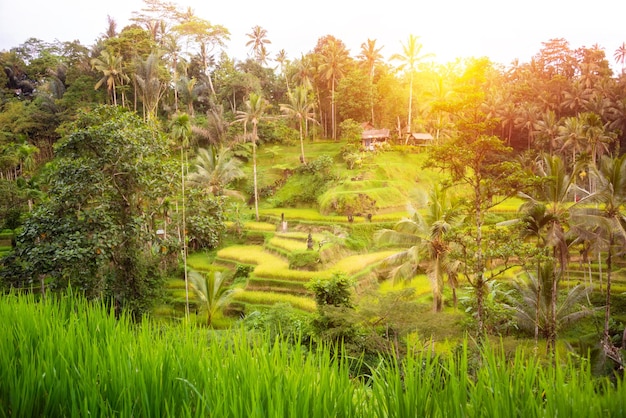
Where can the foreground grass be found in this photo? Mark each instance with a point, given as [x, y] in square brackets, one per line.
[67, 357]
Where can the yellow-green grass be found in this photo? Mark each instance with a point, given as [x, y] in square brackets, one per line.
[288, 286]
[288, 244]
[259, 226]
[200, 261]
[250, 254]
[301, 236]
[420, 283]
[355, 263]
[270, 298]
[310, 215]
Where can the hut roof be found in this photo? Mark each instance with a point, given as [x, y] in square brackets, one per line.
[375, 134]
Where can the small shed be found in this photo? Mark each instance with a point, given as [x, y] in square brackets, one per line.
[372, 138]
[419, 138]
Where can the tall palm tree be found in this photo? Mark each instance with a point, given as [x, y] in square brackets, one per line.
[211, 290]
[258, 41]
[552, 194]
[215, 170]
[371, 57]
[110, 65]
[180, 127]
[620, 55]
[424, 240]
[282, 60]
[409, 59]
[571, 136]
[547, 130]
[150, 84]
[610, 220]
[334, 59]
[526, 119]
[254, 113]
[301, 109]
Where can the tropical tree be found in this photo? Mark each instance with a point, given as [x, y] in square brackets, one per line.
[110, 65]
[547, 212]
[180, 128]
[620, 55]
[547, 130]
[371, 57]
[215, 170]
[92, 232]
[257, 43]
[299, 108]
[211, 291]
[254, 113]
[532, 306]
[409, 59]
[335, 57]
[152, 87]
[571, 136]
[609, 221]
[424, 239]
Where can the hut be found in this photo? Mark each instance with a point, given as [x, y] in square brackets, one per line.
[373, 138]
[419, 138]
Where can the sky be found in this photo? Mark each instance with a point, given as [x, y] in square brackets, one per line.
[499, 29]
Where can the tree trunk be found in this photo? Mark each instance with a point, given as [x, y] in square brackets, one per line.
[256, 188]
[607, 308]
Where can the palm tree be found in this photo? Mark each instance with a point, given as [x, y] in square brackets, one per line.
[215, 170]
[371, 57]
[150, 83]
[610, 221]
[424, 239]
[180, 127]
[526, 119]
[571, 136]
[211, 290]
[547, 129]
[301, 109]
[282, 60]
[254, 113]
[110, 66]
[189, 89]
[258, 41]
[533, 307]
[334, 59]
[549, 206]
[409, 59]
[620, 55]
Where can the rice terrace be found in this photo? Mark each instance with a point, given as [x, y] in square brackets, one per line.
[338, 234]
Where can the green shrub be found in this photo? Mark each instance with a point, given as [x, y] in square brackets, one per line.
[350, 131]
[242, 271]
[305, 260]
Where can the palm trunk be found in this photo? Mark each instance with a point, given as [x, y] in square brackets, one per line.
[332, 105]
[184, 232]
[256, 187]
[302, 160]
[607, 309]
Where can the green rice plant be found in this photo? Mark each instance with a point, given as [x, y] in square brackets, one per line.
[268, 298]
[353, 264]
[68, 357]
[201, 261]
[249, 254]
[287, 244]
[256, 283]
[259, 226]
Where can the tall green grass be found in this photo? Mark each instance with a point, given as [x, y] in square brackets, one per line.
[67, 357]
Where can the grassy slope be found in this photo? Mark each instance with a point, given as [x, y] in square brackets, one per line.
[389, 178]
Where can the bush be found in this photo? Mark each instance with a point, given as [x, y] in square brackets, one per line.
[304, 260]
[350, 131]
